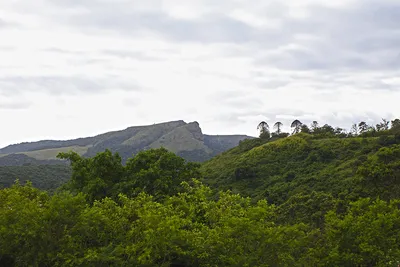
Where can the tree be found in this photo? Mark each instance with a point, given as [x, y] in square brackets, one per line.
[368, 235]
[305, 129]
[383, 126]
[265, 135]
[94, 176]
[371, 129]
[339, 130]
[278, 126]
[314, 126]
[263, 127]
[363, 127]
[296, 124]
[354, 129]
[396, 124]
[381, 172]
[158, 172]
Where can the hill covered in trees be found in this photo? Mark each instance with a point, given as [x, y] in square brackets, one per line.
[323, 159]
[320, 197]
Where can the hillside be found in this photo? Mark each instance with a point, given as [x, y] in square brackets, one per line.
[46, 177]
[184, 139]
[302, 164]
[320, 198]
[25, 160]
[316, 202]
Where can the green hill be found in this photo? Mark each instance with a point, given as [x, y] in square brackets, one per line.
[281, 169]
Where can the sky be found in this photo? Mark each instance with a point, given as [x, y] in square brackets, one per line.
[75, 68]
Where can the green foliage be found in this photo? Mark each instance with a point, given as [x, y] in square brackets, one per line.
[381, 172]
[316, 198]
[46, 177]
[263, 127]
[155, 171]
[192, 228]
[368, 235]
[303, 163]
[159, 172]
[265, 134]
[309, 208]
[188, 229]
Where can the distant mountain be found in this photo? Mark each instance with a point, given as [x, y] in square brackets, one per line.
[184, 139]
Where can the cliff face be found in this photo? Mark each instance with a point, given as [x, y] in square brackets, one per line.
[184, 139]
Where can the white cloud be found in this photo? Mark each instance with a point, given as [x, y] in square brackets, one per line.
[73, 68]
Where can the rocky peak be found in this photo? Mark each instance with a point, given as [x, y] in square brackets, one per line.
[194, 128]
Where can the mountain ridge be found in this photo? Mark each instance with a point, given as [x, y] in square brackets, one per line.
[184, 139]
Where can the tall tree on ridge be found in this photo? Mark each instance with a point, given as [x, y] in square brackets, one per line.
[363, 127]
[314, 126]
[396, 124]
[383, 126]
[296, 124]
[263, 127]
[278, 125]
[354, 129]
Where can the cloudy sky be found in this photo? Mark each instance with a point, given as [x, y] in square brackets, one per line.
[72, 68]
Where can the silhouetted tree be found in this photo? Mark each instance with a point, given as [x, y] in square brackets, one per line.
[296, 124]
[362, 127]
[354, 129]
[278, 126]
[263, 127]
[396, 124]
[339, 130]
[327, 129]
[314, 126]
[383, 126]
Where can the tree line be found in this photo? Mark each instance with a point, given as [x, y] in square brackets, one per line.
[362, 128]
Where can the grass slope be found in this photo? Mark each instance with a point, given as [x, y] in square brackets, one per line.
[48, 154]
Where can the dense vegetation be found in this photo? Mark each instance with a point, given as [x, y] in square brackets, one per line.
[276, 167]
[320, 197]
[24, 160]
[46, 177]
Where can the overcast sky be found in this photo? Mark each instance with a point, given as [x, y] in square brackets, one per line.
[73, 68]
